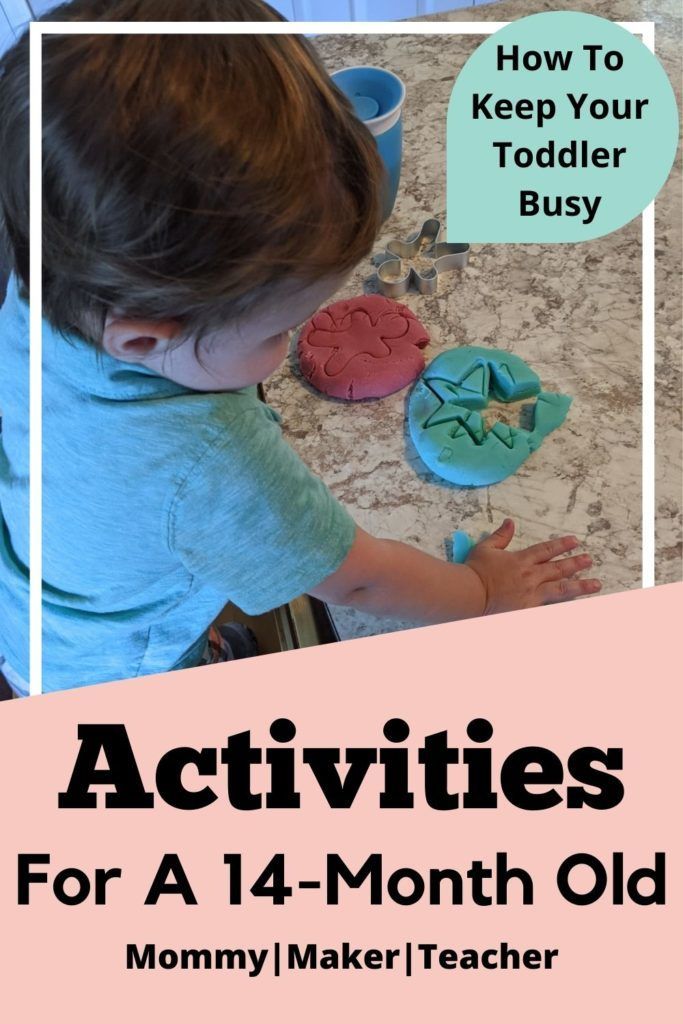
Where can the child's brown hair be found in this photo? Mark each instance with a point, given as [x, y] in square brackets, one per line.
[183, 175]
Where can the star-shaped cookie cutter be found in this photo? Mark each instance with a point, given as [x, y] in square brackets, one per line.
[394, 280]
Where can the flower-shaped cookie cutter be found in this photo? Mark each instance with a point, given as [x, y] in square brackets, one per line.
[394, 279]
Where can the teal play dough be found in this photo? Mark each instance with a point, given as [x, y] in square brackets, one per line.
[449, 432]
[461, 545]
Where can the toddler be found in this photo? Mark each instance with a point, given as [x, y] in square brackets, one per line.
[203, 195]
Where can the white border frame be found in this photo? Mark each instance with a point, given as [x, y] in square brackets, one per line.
[38, 29]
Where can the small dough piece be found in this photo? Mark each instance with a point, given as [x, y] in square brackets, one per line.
[449, 432]
[366, 347]
[460, 546]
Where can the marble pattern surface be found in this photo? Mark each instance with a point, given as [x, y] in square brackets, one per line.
[573, 312]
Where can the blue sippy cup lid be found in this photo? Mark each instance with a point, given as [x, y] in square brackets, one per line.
[365, 107]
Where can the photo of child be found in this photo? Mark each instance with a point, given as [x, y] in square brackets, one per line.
[204, 197]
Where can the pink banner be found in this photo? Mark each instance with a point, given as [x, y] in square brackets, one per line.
[591, 843]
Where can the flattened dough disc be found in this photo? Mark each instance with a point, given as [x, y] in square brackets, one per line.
[447, 428]
[365, 347]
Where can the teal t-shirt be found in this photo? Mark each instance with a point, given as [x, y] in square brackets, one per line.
[160, 505]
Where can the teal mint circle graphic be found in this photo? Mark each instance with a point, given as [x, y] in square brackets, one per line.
[561, 127]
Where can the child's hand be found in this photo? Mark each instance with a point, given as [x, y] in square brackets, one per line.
[388, 578]
[526, 579]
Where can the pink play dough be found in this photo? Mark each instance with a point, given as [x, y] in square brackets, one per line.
[365, 347]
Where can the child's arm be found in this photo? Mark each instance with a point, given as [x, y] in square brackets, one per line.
[386, 577]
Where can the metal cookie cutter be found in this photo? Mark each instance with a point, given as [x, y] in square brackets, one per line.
[422, 245]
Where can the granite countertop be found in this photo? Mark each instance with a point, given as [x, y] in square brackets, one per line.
[572, 311]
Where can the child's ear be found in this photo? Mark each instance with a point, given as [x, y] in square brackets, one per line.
[135, 341]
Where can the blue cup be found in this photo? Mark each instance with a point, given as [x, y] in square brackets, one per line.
[377, 96]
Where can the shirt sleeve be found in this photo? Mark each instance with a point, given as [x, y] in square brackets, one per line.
[252, 519]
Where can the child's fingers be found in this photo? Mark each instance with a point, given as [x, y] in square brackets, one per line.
[550, 549]
[567, 590]
[501, 537]
[563, 568]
